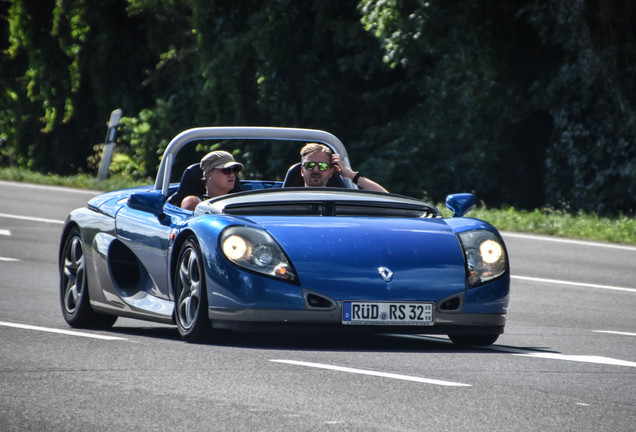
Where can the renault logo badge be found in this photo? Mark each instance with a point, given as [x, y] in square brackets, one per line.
[385, 274]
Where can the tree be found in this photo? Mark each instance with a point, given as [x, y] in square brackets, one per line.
[71, 63]
[591, 160]
[529, 105]
[271, 63]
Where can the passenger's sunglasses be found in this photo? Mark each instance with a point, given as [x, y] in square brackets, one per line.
[227, 171]
[322, 166]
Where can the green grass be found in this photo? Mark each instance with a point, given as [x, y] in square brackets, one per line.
[80, 181]
[621, 229]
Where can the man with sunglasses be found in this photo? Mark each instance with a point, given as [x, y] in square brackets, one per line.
[318, 164]
[219, 172]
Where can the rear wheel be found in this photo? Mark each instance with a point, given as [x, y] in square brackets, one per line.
[190, 293]
[473, 340]
[74, 299]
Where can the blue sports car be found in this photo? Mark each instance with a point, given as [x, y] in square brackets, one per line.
[274, 254]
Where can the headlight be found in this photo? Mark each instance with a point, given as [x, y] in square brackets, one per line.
[256, 250]
[485, 256]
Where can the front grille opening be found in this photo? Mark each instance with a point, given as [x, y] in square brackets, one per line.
[316, 301]
[451, 304]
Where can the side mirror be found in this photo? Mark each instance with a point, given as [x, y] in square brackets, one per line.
[460, 204]
[149, 202]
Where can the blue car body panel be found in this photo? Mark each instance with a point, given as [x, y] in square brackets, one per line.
[341, 258]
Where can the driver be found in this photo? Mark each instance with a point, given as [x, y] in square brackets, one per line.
[318, 164]
[219, 172]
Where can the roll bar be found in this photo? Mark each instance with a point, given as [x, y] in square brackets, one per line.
[242, 132]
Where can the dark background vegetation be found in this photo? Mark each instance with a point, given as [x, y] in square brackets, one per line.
[528, 103]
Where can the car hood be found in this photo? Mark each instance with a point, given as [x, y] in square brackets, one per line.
[342, 256]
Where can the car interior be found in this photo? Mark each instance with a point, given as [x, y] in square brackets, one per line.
[192, 182]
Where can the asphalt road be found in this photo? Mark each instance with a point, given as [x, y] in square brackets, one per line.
[567, 361]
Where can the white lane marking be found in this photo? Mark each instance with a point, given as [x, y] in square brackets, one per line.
[579, 284]
[580, 358]
[535, 354]
[569, 241]
[374, 373]
[59, 331]
[30, 218]
[6, 232]
[46, 187]
[565, 357]
[615, 332]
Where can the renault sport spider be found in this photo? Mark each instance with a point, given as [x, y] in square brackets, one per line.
[277, 255]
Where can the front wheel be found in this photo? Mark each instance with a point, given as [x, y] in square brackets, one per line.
[74, 300]
[473, 340]
[190, 294]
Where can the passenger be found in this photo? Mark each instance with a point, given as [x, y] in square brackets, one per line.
[219, 172]
[318, 164]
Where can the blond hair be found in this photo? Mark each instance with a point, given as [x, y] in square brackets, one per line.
[311, 148]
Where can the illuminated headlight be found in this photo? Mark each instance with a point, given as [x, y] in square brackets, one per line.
[235, 247]
[256, 250]
[485, 256]
[490, 251]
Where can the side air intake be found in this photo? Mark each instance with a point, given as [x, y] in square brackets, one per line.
[317, 301]
[452, 304]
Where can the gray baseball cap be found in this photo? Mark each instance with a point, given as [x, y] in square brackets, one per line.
[218, 159]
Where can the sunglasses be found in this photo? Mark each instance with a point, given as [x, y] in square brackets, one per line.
[228, 171]
[322, 166]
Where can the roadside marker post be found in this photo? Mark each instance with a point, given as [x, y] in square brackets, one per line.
[109, 144]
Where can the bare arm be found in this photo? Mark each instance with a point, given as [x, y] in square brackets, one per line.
[190, 202]
[363, 182]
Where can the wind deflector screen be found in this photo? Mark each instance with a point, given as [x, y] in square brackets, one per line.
[332, 208]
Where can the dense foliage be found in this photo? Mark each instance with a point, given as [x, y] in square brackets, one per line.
[528, 103]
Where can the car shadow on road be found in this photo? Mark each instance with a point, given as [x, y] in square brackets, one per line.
[358, 342]
[321, 341]
[166, 332]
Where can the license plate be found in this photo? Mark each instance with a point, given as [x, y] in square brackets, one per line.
[387, 313]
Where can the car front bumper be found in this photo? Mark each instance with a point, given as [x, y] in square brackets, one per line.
[261, 319]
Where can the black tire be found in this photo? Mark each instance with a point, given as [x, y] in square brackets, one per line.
[473, 340]
[74, 297]
[191, 300]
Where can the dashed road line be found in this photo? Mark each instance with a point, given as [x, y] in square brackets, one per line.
[374, 373]
[569, 241]
[30, 218]
[566, 357]
[59, 331]
[7, 259]
[580, 358]
[615, 332]
[577, 284]
[535, 354]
